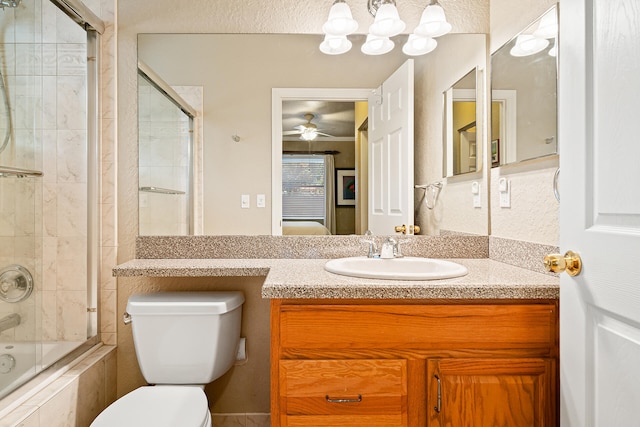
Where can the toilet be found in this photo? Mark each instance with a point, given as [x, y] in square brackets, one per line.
[183, 340]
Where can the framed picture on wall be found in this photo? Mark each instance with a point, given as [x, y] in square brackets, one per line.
[495, 152]
[345, 187]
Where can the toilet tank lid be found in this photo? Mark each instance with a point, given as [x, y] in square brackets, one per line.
[181, 303]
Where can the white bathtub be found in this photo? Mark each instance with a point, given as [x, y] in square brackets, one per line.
[21, 361]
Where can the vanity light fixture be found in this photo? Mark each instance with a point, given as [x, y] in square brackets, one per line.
[387, 23]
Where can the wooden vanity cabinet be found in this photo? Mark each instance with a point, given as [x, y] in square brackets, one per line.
[414, 363]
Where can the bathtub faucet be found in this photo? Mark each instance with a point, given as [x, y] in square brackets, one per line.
[9, 321]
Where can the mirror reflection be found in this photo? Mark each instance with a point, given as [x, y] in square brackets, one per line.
[523, 107]
[236, 75]
[460, 136]
[318, 167]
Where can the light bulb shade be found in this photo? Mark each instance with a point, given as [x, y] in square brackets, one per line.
[433, 22]
[548, 26]
[387, 22]
[340, 21]
[419, 45]
[528, 44]
[309, 134]
[335, 45]
[375, 45]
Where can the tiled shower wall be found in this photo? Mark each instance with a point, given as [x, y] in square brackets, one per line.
[44, 219]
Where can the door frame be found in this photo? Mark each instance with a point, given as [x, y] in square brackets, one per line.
[278, 95]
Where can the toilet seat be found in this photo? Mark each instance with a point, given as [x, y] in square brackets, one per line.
[158, 406]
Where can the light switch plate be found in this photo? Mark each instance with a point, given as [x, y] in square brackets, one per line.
[245, 203]
[260, 201]
[477, 202]
[505, 193]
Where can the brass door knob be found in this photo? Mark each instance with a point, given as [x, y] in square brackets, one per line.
[403, 229]
[570, 262]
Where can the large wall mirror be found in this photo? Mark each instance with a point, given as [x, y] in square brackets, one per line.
[236, 73]
[523, 86]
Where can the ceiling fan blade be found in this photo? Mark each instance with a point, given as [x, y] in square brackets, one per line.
[325, 134]
[291, 132]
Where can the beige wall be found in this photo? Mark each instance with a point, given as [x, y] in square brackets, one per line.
[533, 216]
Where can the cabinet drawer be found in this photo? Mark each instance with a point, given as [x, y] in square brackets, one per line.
[343, 387]
[451, 327]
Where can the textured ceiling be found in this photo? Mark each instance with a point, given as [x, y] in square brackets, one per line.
[282, 16]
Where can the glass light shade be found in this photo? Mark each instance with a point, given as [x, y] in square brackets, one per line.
[387, 22]
[340, 21]
[433, 22]
[375, 45]
[419, 45]
[548, 26]
[528, 44]
[309, 134]
[335, 45]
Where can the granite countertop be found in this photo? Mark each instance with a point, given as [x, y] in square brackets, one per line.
[306, 278]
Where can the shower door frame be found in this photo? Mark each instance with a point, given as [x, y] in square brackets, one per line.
[94, 27]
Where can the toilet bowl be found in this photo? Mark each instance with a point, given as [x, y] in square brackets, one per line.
[183, 340]
[158, 406]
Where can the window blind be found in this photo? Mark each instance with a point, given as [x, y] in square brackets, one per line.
[303, 187]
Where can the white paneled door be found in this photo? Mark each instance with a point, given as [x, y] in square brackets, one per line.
[391, 152]
[599, 107]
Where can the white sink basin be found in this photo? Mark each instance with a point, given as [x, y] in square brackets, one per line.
[406, 268]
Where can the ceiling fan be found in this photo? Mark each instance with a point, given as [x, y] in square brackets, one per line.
[307, 131]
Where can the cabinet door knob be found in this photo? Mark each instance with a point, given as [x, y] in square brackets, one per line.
[570, 262]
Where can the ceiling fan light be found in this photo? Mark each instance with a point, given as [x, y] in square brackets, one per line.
[335, 45]
[309, 134]
[375, 45]
[387, 22]
[528, 44]
[419, 45]
[433, 22]
[340, 21]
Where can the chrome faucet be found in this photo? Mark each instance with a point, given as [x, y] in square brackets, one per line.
[373, 248]
[390, 249]
[9, 321]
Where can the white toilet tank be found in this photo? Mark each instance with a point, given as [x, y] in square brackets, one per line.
[185, 337]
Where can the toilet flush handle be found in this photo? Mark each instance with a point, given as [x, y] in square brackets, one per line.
[126, 318]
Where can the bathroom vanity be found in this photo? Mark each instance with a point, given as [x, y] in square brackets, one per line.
[478, 350]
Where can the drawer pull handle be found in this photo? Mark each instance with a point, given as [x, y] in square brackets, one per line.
[331, 400]
[438, 407]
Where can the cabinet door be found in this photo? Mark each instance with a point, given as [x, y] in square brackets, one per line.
[491, 392]
[343, 392]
